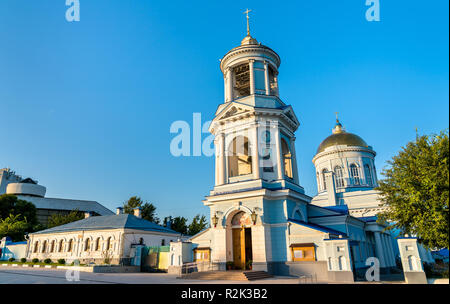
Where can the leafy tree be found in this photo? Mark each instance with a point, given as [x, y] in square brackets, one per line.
[148, 210]
[416, 190]
[198, 224]
[178, 223]
[62, 219]
[11, 205]
[14, 226]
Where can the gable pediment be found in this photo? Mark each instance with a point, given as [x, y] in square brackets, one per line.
[233, 110]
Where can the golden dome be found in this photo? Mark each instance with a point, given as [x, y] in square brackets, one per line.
[248, 40]
[340, 137]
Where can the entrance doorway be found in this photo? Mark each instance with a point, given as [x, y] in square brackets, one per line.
[242, 248]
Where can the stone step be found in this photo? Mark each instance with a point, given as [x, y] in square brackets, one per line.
[228, 275]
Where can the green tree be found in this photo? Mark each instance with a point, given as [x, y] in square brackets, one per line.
[179, 223]
[62, 219]
[14, 226]
[148, 210]
[198, 224]
[416, 190]
[11, 205]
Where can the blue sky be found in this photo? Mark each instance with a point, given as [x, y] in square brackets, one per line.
[86, 106]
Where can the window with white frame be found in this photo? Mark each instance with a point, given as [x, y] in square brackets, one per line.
[339, 176]
[324, 179]
[354, 174]
[368, 174]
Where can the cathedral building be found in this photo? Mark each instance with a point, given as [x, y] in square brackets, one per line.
[261, 217]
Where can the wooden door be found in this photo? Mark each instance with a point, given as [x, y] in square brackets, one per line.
[239, 247]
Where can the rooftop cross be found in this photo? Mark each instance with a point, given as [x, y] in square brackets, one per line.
[248, 25]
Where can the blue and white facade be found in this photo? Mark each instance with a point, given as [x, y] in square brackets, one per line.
[260, 213]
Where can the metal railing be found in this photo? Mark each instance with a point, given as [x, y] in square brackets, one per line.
[202, 266]
[303, 279]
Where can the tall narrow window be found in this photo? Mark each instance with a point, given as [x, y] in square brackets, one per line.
[44, 247]
[97, 244]
[339, 177]
[61, 245]
[87, 244]
[239, 159]
[108, 244]
[324, 179]
[287, 158]
[273, 83]
[368, 174]
[36, 245]
[52, 246]
[241, 80]
[70, 247]
[354, 174]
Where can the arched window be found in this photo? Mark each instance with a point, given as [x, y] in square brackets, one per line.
[60, 246]
[354, 174]
[97, 244]
[368, 174]
[44, 247]
[36, 246]
[87, 244]
[52, 246]
[324, 179]
[412, 263]
[241, 80]
[342, 263]
[239, 159]
[287, 158]
[70, 247]
[339, 177]
[108, 243]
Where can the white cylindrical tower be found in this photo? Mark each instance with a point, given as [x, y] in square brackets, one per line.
[250, 69]
[344, 162]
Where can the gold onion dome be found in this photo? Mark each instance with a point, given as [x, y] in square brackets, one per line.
[341, 137]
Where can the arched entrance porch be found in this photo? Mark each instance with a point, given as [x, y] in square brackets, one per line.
[240, 235]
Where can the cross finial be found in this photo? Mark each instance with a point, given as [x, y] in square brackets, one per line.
[337, 119]
[248, 24]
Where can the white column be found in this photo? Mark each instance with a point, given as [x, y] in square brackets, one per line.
[252, 77]
[278, 153]
[218, 159]
[222, 160]
[229, 85]
[255, 154]
[379, 249]
[294, 162]
[266, 77]
[389, 250]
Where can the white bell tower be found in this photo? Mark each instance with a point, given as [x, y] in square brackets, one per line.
[256, 174]
[253, 128]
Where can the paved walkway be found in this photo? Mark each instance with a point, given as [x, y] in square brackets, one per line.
[57, 276]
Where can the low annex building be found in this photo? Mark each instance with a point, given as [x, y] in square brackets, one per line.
[99, 239]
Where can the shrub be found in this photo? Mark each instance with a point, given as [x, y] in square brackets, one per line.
[47, 261]
[11, 259]
[35, 260]
[23, 260]
[61, 261]
[75, 263]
